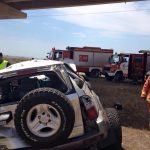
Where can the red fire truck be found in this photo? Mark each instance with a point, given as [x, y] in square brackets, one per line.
[131, 66]
[89, 60]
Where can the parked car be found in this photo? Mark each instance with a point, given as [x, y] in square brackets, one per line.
[45, 104]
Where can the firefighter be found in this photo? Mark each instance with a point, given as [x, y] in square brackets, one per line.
[3, 89]
[145, 95]
[3, 63]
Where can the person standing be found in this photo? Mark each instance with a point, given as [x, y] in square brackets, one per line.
[3, 63]
[4, 88]
[145, 95]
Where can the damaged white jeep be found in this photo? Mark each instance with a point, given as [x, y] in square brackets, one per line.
[45, 104]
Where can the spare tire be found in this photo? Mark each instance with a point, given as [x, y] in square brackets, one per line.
[44, 117]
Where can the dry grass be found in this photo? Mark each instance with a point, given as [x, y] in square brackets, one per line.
[13, 59]
[134, 116]
[135, 139]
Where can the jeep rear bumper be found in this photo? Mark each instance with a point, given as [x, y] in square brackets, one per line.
[97, 135]
[82, 142]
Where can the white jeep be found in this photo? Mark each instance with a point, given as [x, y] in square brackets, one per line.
[45, 104]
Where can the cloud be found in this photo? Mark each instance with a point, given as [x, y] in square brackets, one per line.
[110, 34]
[23, 46]
[51, 26]
[116, 19]
[79, 34]
[27, 21]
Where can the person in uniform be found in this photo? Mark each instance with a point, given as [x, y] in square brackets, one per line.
[3, 63]
[145, 95]
[3, 88]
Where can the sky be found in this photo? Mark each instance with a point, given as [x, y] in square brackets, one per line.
[124, 27]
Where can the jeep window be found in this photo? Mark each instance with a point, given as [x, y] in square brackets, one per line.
[74, 76]
[14, 89]
[65, 76]
[68, 68]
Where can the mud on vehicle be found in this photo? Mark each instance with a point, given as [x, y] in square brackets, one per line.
[45, 104]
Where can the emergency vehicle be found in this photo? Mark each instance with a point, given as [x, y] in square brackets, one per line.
[89, 60]
[131, 66]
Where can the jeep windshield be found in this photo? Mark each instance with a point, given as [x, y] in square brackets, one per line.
[80, 81]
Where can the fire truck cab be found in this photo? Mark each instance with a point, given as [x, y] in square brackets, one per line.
[131, 66]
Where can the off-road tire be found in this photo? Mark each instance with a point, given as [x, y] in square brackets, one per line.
[115, 126]
[118, 77]
[51, 97]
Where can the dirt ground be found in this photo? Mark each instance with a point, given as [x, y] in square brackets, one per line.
[134, 116]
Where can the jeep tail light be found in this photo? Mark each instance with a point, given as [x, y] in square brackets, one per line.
[89, 107]
[92, 113]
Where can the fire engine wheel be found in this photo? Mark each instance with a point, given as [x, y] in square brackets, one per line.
[44, 118]
[95, 73]
[118, 77]
[109, 78]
